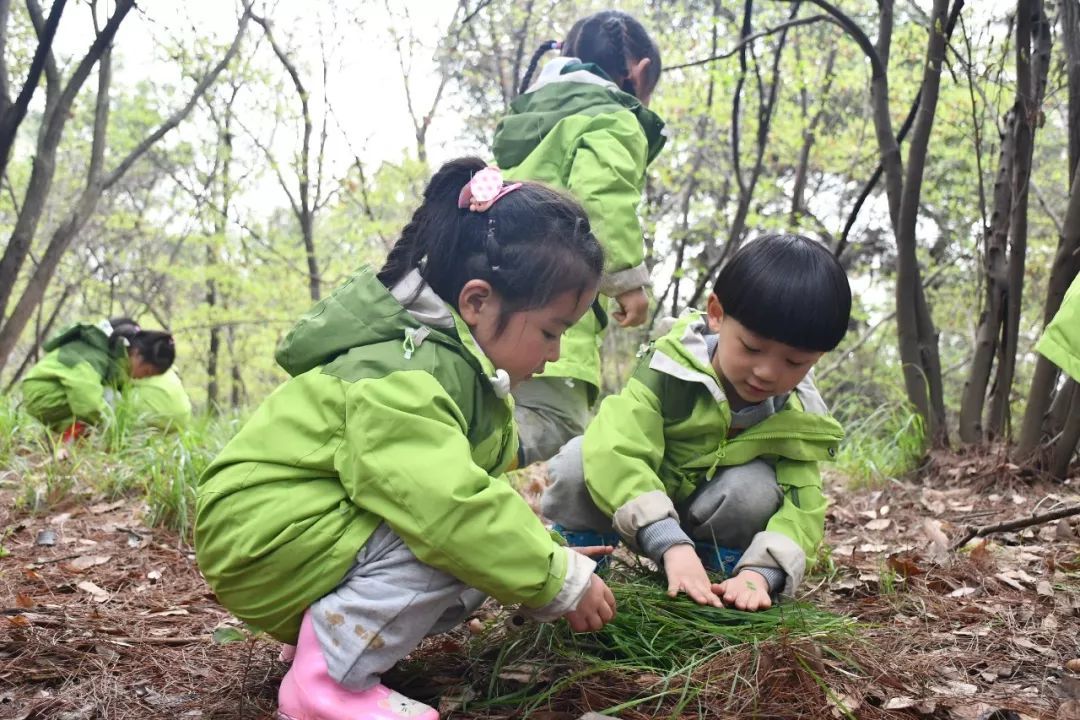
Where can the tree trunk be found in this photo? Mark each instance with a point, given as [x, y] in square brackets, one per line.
[58, 109]
[13, 113]
[1064, 447]
[766, 112]
[917, 335]
[1064, 269]
[1070, 31]
[97, 183]
[994, 265]
[1032, 68]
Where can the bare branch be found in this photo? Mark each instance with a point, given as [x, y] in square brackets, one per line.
[756, 36]
[974, 532]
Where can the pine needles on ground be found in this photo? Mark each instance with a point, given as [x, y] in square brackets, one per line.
[662, 657]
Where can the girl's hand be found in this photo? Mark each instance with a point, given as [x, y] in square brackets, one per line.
[595, 610]
[746, 591]
[633, 308]
[686, 573]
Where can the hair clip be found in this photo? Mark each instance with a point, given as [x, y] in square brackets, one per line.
[485, 187]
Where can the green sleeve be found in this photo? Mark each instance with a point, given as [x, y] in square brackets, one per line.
[801, 517]
[623, 448]
[84, 391]
[406, 458]
[607, 176]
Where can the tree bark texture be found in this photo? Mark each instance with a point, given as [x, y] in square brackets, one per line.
[915, 327]
[1064, 269]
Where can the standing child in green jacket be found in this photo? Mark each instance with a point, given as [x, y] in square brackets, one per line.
[708, 457]
[85, 365]
[363, 507]
[585, 126]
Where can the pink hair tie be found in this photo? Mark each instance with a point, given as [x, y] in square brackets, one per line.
[485, 187]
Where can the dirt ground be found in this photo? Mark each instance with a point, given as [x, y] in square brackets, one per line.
[106, 618]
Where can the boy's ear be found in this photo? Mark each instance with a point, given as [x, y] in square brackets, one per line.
[475, 300]
[714, 312]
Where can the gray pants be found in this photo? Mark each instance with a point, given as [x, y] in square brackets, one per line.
[387, 603]
[549, 411]
[728, 510]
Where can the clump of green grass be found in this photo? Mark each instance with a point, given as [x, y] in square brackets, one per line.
[880, 444]
[682, 648]
[122, 458]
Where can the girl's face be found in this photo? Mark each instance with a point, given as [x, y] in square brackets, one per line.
[753, 367]
[530, 338]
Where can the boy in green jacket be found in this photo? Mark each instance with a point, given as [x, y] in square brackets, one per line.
[710, 452]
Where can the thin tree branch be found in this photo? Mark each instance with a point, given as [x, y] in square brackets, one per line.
[974, 532]
[756, 36]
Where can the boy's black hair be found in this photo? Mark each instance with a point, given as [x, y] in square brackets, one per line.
[612, 40]
[787, 288]
[532, 245]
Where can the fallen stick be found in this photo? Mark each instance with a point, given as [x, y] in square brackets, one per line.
[974, 532]
[184, 640]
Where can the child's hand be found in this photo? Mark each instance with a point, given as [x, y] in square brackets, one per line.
[595, 610]
[747, 591]
[686, 573]
[633, 308]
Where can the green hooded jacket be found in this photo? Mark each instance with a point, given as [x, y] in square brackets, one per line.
[651, 445]
[160, 400]
[574, 129]
[70, 382]
[392, 414]
[1060, 342]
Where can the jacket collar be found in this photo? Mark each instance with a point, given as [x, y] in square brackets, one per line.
[684, 354]
[427, 308]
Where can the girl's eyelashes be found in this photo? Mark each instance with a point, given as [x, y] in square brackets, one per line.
[549, 336]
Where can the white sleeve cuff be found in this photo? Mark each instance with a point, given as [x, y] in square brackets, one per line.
[579, 571]
[616, 283]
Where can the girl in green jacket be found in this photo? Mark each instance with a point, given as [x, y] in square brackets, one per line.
[584, 125]
[84, 367]
[363, 506]
[708, 457]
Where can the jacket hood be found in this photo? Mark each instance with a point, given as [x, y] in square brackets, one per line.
[364, 312]
[567, 87]
[360, 312]
[90, 343]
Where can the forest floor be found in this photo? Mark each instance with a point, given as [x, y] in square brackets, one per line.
[103, 617]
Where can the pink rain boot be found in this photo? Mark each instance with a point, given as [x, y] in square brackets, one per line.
[308, 692]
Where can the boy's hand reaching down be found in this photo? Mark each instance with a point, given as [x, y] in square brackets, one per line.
[746, 591]
[685, 573]
[595, 610]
